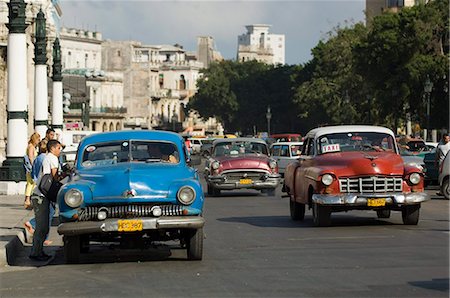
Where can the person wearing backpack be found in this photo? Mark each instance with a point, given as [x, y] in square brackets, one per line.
[29, 158]
[41, 204]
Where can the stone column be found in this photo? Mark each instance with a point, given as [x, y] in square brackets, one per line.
[40, 77]
[17, 110]
[57, 106]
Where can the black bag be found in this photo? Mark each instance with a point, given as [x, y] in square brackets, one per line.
[49, 187]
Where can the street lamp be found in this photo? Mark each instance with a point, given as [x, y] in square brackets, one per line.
[268, 117]
[427, 89]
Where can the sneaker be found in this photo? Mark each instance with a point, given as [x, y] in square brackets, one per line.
[42, 258]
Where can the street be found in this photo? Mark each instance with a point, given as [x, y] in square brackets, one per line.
[253, 249]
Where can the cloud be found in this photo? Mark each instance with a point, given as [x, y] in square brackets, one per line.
[170, 22]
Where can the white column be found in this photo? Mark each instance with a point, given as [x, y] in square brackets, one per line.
[57, 106]
[17, 95]
[40, 99]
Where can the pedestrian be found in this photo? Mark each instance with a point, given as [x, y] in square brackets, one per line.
[41, 204]
[37, 165]
[442, 149]
[50, 134]
[31, 154]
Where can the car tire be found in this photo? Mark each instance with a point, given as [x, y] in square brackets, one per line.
[215, 191]
[209, 190]
[297, 210]
[384, 213]
[71, 249]
[410, 214]
[445, 188]
[321, 215]
[84, 244]
[194, 244]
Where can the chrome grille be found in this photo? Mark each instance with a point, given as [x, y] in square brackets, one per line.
[372, 184]
[128, 211]
[237, 175]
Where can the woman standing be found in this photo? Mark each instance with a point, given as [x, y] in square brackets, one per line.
[32, 154]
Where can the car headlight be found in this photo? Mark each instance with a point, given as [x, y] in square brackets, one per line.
[414, 178]
[327, 179]
[272, 164]
[73, 198]
[215, 165]
[186, 195]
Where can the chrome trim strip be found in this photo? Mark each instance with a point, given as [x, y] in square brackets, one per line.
[360, 199]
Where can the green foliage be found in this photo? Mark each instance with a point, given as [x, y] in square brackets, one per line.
[372, 75]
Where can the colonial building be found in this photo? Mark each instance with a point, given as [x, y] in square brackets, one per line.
[96, 95]
[206, 51]
[258, 44]
[159, 80]
[52, 13]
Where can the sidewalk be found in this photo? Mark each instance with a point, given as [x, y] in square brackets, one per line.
[13, 239]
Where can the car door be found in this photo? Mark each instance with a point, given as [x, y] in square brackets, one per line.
[284, 158]
[301, 176]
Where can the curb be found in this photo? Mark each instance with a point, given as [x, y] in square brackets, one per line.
[9, 252]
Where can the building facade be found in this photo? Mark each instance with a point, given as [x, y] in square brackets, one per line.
[377, 7]
[91, 88]
[53, 14]
[258, 44]
[206, 51]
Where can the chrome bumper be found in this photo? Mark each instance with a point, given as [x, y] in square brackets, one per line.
[219, 182]
[111, 225]
[355, 199]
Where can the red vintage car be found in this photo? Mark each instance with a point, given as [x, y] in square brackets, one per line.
[241, 163]
[350, 167]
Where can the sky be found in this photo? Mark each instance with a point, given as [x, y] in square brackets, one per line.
[303, 22]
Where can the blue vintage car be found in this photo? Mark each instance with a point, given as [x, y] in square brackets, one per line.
[132, 187]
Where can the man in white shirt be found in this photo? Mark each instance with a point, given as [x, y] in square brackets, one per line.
[442, 149]
[41, 204]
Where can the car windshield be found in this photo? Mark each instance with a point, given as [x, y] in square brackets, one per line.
[129, 151]
[239, 148]
[356, 141]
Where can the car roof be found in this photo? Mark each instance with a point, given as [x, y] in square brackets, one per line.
[288, 143]
[320, 131]
[157, 135]
[233, 140]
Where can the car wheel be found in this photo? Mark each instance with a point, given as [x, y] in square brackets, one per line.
[215, 191]
[194, 244]
[445, 188]
[84, 244]
[209, 189]
[321, 215]
[410, 214]
[385, 213]
[271, 192]
[297, 210]
[71, 249]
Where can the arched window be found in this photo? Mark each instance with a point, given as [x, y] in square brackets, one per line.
[182, 83]
[111, 127]
[117, 126]
[104, 127]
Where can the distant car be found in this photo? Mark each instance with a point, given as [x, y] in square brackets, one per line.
[70, 139]
[284, 153]
[241, 163]
[134, 188]
[206, 147]
[197, 143]
[287, 137]
[444, 177]
[353, 167]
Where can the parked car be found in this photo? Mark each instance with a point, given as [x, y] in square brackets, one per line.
[284, 153]
[353, 167]
[241, 163]
[287, 137]
[132, 187]
[444, 177]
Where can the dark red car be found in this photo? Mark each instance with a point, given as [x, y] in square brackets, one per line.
[241, 163]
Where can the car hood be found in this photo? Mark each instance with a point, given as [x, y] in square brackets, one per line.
[243, 162]
[130, 179]
[363, 163]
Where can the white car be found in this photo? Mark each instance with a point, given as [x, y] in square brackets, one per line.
[196, 144]
[284, 153]
[444, 177]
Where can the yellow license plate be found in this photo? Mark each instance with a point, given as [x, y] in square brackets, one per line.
[245, 181]
[130, 225]
[376, 202]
